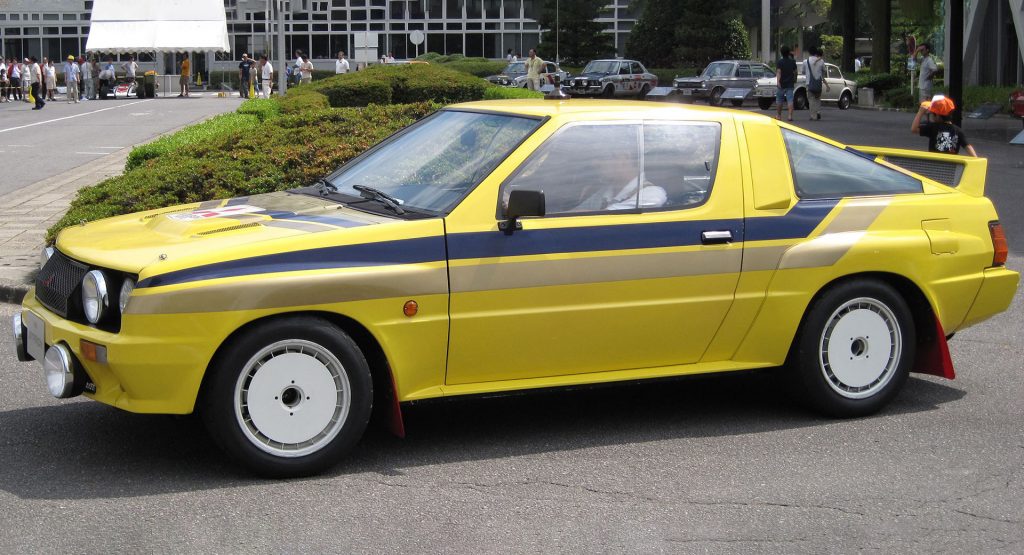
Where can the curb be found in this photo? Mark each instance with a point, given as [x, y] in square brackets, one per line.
[12, 293]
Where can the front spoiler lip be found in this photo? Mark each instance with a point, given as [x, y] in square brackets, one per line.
[19, 339]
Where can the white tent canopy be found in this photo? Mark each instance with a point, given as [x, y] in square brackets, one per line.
[126, 26]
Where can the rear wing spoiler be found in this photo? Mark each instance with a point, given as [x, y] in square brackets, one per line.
[964, 173]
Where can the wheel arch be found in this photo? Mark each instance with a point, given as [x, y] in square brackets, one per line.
[931, 354]
[385, 392]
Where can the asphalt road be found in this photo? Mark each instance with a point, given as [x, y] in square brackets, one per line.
[63, 137]
[720, 464]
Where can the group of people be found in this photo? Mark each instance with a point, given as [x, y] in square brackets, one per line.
[84, 78]
[786, 71]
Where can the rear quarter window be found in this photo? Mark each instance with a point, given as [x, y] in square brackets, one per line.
[821, 170]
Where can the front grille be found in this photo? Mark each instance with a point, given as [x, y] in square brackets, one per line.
[57, 281]
[947, 173]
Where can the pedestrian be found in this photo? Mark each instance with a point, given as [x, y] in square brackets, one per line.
[130, 69]
[927, 69]
[814, 68]
[341, 64]
[36, 82]
[785, 81]
[306, 70]
[5, 83]
[534, 67]
[14, 70]
[245, 75]
[510, 57]
[297, 66]
[89, 86]
[390, 58]
[50, 76]
[72, 76]
[266, 75]
[107, 76]
[185, 75]
[857, 64]
[943, 136]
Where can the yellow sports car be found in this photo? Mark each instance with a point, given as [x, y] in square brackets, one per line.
[509, 245]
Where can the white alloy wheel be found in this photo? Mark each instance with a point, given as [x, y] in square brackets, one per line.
[860, 348]
[292, 398]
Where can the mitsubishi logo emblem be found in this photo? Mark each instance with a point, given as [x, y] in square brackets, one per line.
[49, 280]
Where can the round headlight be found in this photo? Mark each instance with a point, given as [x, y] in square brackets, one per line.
[45, 255]
[94, 295]
[126, 291]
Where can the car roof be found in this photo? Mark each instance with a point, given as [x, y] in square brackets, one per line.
[583, 106]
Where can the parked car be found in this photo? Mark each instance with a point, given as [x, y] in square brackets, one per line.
[514, 75]
[511, 245]
[842, 91]
[613, 78]
[737, 76]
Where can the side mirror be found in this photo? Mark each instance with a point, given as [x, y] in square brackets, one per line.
[521, 203]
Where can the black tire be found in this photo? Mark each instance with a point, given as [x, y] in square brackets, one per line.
[715, 98]
[845, 100]
[244, 371]
[737, 102]
[764, 103]
[643, 92]
[830, 362]
[800, 100]
[608, 92]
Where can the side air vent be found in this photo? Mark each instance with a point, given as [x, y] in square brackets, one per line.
[225, 229]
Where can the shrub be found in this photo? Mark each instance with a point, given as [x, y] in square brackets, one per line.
[262, 108]
[210, 129]
[500, 93]
[477, 68]
[301, 99]
[361, 88]
[289, 151]
[881, 82]
[400, 84]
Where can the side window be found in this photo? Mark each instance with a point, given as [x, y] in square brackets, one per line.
[623, 68]
[821, 170]
[833, 73]
[680, 160]
[743, 71]
[583, 168]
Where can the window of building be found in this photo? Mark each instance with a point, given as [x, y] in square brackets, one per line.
[69, 30]
[511, 9]
[339, 15]
[821, 170]
[435, 9]
[69, 17]
[357, 15]
[454, 9]
[474, 9]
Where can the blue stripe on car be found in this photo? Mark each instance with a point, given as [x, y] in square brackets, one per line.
[799, 222]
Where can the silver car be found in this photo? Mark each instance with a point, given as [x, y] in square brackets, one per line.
[612, 78]
[514, 75]
[840, 90]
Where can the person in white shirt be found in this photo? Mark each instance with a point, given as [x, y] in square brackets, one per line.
[390, 58]
[857, 63]
[341, 64]
[130, 68]
[306, 71]
[89, 88]
[72, 76]
[266, 75]
[50, 79]
[35, 80]
[297, 67]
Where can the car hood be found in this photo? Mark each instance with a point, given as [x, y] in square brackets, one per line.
[593, 75]
[180, 236]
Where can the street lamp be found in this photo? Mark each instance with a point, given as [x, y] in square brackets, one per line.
[558, 30]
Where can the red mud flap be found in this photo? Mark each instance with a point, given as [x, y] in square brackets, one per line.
[933, 355]
[395, 423]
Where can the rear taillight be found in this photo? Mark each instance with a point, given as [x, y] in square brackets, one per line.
[999, 247]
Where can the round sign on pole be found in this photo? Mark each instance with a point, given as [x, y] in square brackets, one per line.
[416, 37]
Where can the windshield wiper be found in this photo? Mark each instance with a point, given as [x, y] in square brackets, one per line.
[325, 187]
[381, 197]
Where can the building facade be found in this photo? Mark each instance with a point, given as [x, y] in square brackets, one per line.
[320, 28]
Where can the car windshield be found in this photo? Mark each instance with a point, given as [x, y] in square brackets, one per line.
[514, 67]
[718, 69]
[431, 165]
[601, 66]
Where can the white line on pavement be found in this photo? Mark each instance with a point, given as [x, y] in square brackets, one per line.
[92, 153]
[74, 116]
[110, 147]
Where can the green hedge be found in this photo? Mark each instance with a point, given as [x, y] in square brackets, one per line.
[974, 97]
[400, 84]
[477, 68]
[289, 151]
[302, 99]
[263, 109]
[666, 75]
[211, 129]
[495, 92]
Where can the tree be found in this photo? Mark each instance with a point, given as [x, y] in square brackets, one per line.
[674, 33]
[737, 46]
[579, 38]
[651, 38]
[702, 33]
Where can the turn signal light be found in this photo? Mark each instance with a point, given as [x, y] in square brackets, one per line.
[411, 308]
[92, 351]
[999, 245]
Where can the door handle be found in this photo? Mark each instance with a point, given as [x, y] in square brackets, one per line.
[715, 237]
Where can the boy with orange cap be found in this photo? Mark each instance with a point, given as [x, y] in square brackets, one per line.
[943, 136]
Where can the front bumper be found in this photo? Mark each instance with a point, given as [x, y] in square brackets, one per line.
[693, 90]
[154, 365]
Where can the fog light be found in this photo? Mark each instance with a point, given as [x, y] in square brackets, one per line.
[58, 369]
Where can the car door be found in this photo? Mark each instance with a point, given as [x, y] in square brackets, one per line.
[835, 83]
[599, 283]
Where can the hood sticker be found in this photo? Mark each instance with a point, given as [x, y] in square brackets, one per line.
[222, 212]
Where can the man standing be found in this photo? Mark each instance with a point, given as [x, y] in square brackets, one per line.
[14, 74]
[72, 75]
[266, 75]
[130, 69]
[186, 74]
[244, 75]
[341, 64]
[785, 80]
[36, 82]
[534, 67]
[815, 72]
[88, 91]
[928, 70]
[306, 70]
